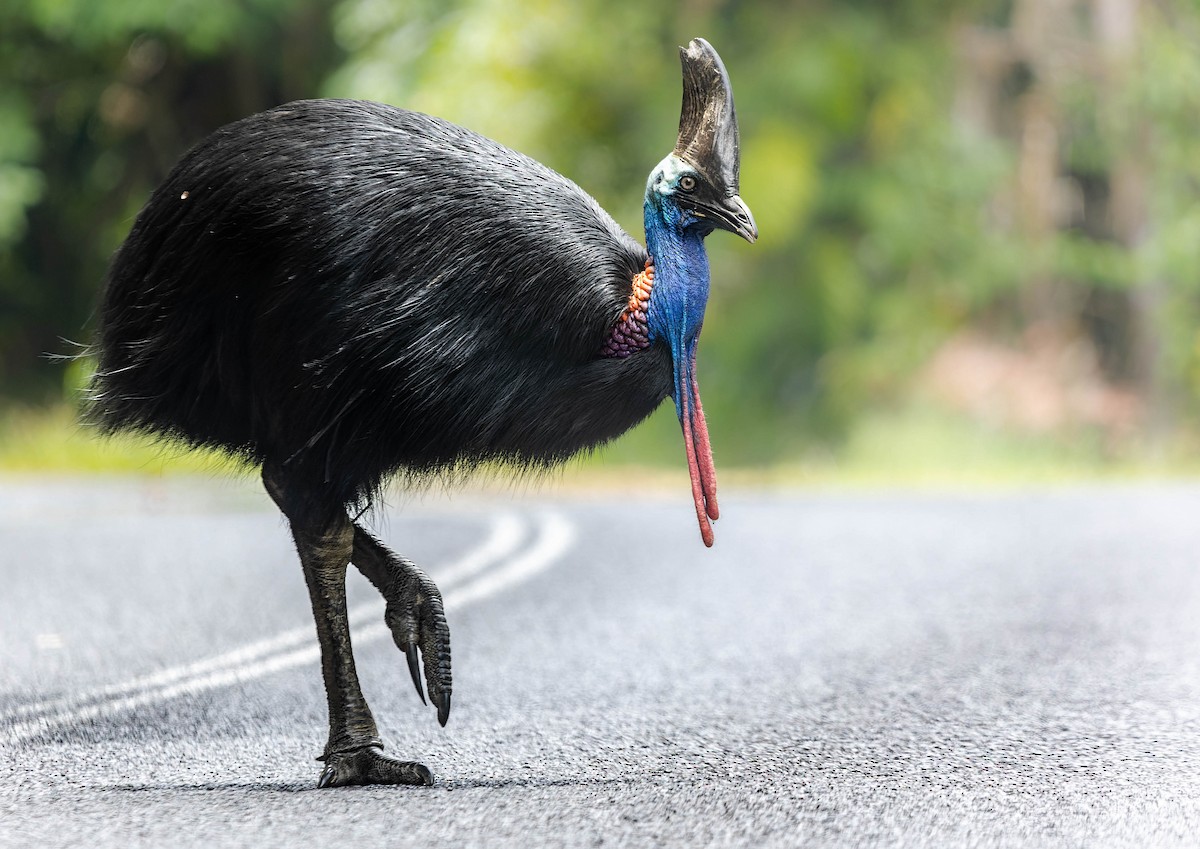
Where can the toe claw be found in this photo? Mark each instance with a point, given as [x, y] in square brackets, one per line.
[327, 776]
[369, 765]
[417, 620]
[414, 669]
[425, 774]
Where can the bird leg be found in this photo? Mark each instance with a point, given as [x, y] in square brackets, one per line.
[324, 541]
[414, 614]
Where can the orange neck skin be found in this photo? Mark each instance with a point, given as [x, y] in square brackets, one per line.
[631, 332]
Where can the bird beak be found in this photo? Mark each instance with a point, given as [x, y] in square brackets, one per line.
[730, 214]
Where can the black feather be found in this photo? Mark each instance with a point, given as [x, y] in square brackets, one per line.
[352, 290]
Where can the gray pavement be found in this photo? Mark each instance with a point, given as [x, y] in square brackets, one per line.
[1016, 669]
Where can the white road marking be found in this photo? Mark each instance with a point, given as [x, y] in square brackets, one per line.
[554, 537]
[297, 646]
[503, 537]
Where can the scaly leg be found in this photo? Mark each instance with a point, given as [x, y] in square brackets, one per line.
[324, 540]
[414, 614]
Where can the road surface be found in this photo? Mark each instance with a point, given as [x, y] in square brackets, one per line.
[896, 669]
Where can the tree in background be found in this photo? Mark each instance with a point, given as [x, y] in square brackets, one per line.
[97, 101]
[871, 203]
[974, 182]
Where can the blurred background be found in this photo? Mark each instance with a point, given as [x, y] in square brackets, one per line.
[980, 219]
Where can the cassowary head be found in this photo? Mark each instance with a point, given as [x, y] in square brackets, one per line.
[700, 176]
[693, 191]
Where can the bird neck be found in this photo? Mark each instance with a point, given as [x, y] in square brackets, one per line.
[668, 298]
[675, 242]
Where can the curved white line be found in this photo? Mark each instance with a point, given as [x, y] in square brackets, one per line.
[503, 537]
[555, 536]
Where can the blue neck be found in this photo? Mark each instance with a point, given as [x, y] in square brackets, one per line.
[675, 241]
[675, 313]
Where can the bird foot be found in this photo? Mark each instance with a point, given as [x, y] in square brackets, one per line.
[417, 620]
[369, 765]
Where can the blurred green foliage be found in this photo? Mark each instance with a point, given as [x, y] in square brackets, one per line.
[890, 159]
[97, 101]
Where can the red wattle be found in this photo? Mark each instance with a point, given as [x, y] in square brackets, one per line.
[708, 471]
[699, 451]
[706, 531]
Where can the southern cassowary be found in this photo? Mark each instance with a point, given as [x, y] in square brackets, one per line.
[341, 291]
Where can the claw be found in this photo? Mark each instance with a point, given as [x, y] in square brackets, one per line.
[327, 776]
[425, 774]
[414, 669]
[369, 765]
[442, 700]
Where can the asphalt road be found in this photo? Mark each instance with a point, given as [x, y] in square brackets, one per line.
[1018, 669]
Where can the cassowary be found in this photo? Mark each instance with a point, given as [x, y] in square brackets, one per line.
[341, 291]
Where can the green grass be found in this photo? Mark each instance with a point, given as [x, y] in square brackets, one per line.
[52, 441]
[909, 447]
[923, 446]
[918, 446]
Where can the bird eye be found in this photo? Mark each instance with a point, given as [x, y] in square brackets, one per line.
[687, 182]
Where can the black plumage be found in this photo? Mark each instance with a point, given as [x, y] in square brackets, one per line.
[340, 291]
[355, 289]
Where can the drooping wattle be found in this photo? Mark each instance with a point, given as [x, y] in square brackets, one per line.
[634, 332]
[695, 441]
